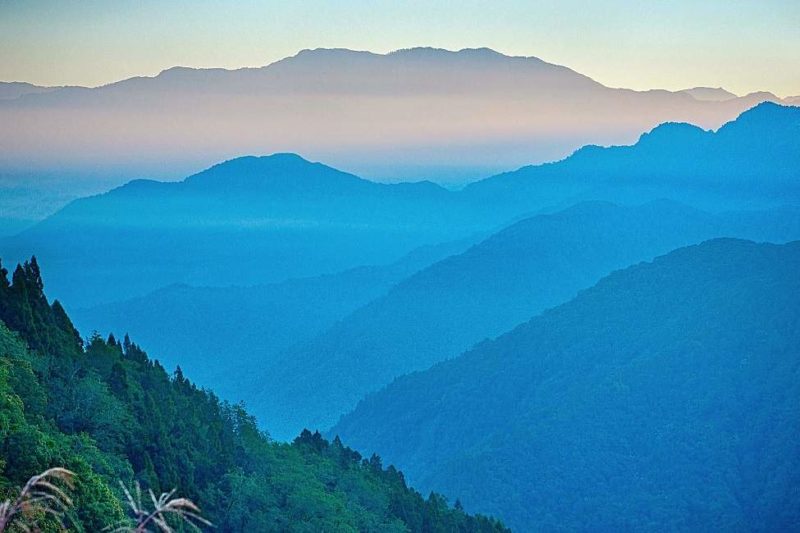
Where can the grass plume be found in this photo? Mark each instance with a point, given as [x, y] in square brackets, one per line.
[41, 496]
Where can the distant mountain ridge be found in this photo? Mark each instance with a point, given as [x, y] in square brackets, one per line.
[755, 157]
[14, 89]
[456, 115]
[251, 220]
[259, 220]
[713, 94]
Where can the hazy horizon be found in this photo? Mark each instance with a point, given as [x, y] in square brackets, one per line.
[421, 46]
[742, 46]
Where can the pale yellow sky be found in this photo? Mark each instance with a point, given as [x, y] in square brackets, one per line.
[743, 46]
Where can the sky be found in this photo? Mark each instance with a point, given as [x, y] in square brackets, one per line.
[743, 46]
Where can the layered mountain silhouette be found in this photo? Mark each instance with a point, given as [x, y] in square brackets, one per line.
[711, 94]
[664, 397]
[747, 162]
[246, 221]
[453, 304]
[251, 325]
[410, 114]
[14, 89]
[256, 220]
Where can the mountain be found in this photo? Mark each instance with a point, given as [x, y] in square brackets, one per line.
[663, 398]
[748, 162]
[710, 94]
[251, 325]
[455, 303]
[245, 221]
[257, 220]
[111, 415]
[14, 89]
[412, 114]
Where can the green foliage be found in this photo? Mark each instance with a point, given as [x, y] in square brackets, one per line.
[108, 413]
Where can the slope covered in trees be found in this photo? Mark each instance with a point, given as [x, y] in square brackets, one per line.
[106, 411]
[666, 397]
[446, 308]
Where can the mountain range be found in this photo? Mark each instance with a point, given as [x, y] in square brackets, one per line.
[663, 398]
[256, 220]
[603, 342]
[412, 114]
[10, 90]
[748, 162]
[451, 305]
[243, 222]
[252, 325]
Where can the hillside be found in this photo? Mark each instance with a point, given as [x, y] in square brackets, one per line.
[449, 306]
[663, 398]
[251, 325]
[106, 411]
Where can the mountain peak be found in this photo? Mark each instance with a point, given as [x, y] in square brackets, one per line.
[672, 131]
[767, 117]
[710, 94]
[285, 170]
[429, 51]
[417, 53]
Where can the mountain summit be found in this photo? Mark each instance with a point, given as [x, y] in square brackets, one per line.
[282, 172]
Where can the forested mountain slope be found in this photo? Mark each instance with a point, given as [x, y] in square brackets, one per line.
[666, 397]
[446, 308]
[108, 413]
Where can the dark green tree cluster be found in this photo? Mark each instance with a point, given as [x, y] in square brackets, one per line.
[106, 411]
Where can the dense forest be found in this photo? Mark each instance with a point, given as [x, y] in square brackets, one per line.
[104, 410]
[664, 398]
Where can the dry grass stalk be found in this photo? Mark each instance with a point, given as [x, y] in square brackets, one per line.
[40, 495]
[163, 506]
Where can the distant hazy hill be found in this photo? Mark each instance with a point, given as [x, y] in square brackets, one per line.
[225, 336]
[664, 398]
[446, 308]
[415, 113]
[263, 220]
[753, 159]
[246, 221]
